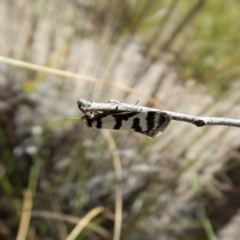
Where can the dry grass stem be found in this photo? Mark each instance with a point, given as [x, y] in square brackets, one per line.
[118, 186]
[26, 215]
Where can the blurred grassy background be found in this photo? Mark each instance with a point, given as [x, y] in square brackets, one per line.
[182, 56]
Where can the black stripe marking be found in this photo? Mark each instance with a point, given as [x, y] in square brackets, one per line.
[89, 122]
[99, 123]
[118, 124]
[136, 125]
[161, 121]
[150, 121]
[119, 117]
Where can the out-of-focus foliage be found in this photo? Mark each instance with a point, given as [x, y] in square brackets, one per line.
[213, 57]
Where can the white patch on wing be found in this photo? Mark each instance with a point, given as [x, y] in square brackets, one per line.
[142, 116]
[107, 122]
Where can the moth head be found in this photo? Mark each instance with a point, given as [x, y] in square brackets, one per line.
[87, 120]
[83, 105]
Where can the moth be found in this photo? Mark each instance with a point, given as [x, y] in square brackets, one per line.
[149, 123]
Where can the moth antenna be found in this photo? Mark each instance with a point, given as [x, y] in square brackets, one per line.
[137, 102]
[61, 119]
[84, 120]
[104, 151]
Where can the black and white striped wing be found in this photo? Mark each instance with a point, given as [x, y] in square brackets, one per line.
[148, 123]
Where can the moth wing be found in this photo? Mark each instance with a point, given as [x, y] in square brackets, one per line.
[117, 121]
[153, 123]
[148, 123]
